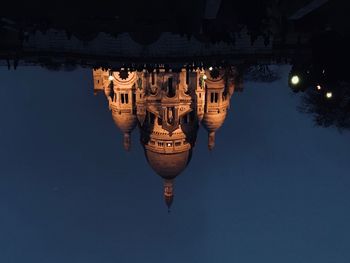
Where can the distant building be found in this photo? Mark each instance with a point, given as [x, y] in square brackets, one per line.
[168, 107]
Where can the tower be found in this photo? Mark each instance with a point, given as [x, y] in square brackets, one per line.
[168, 107]
[170, 128]
[217, 101]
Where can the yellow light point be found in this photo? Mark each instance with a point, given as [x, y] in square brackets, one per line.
[318, 87]
[295, 80]
[329, 95]
[205, 77]
[110, 78]
[210, 68]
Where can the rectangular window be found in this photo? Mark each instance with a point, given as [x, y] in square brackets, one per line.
[122, 98]
[216, 97]
[177, 143]
[126, 98]
[212, 97]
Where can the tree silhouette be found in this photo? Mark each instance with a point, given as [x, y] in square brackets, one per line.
[328, 111]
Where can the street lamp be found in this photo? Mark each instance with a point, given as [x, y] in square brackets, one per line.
[295, 80]
[329, 95]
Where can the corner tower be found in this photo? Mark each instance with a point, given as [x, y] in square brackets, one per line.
[217, 101]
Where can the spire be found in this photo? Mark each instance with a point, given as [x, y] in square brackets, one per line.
[211, 140]
[168, 193]
[127, 141]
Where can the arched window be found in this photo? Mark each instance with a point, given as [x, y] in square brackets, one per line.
[152, 117]
[152, 78]
[187, 76]
[171, 90]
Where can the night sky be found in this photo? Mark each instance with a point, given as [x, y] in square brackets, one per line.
[275, 188]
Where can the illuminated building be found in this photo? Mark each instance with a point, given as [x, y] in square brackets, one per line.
[168, 107]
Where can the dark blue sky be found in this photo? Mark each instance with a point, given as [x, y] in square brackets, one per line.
[275, 188]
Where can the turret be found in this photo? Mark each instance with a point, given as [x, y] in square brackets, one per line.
[216, 103]
[123, 103]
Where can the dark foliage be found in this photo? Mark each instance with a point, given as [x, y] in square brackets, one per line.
[328, 112]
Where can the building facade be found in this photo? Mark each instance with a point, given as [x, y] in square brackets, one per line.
[168, 107]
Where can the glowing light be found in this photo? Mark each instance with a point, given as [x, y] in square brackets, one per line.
[318, 87]
[329, 95]
[205, 77]
[210, 68]
[110, 78]
[169, 144]
[295, 80]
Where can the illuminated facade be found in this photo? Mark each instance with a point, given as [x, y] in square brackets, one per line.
[168, 108]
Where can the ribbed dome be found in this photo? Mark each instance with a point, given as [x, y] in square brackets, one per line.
[126, 122]
[168, 166]
[213, 121]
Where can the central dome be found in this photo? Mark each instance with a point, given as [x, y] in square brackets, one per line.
[168, 166]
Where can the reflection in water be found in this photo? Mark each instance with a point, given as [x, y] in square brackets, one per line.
[168, 107]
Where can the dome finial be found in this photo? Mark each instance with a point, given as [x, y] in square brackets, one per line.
[168, 193]
[127, 141]
[211, 140]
